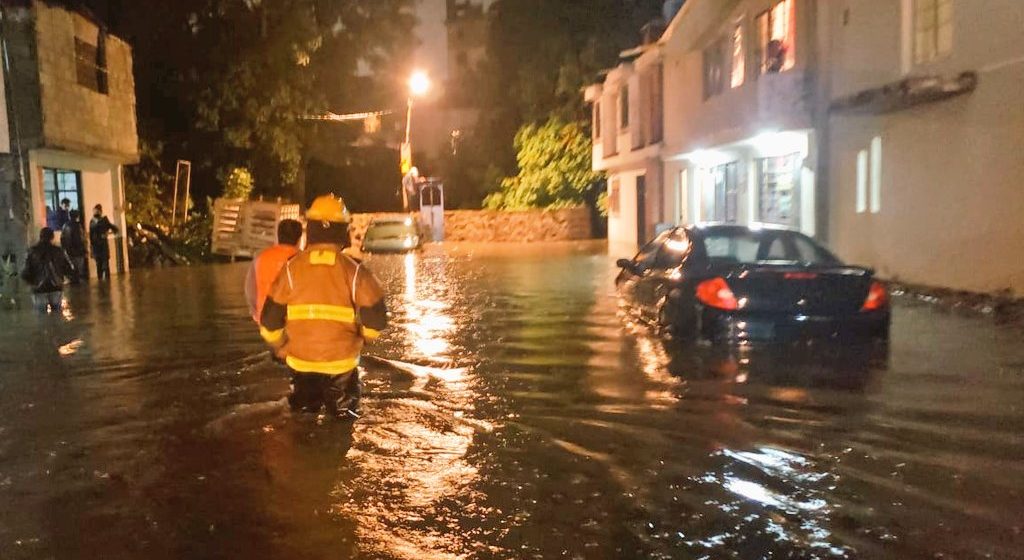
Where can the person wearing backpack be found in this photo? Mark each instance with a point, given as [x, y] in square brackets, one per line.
[46, 268]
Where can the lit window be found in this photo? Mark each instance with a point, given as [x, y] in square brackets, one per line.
[624, 107]
[738, 63]
[597, 119]
[876, 174]
[776, 38]
[714, 69]
[933, 29]
[862, 181]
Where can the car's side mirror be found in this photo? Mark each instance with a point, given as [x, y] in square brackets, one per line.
[624, 263]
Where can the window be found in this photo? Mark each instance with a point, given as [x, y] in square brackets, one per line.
[656, 105]
[738, 52]
[776, 38]
[597, 119]
[91, 64]
[675, 249]
[876, 174]
[58, 185]
[933, 29]
[648, 253]
[624, 107]
[722, 200]
[779, 190]
[737, 245]
[862, 181]
[714, 69]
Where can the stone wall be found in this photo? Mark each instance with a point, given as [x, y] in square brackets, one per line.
[490, 226]
[76, 118]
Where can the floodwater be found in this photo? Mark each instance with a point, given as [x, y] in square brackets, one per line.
[519, 417]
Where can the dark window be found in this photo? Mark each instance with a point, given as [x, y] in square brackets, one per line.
[597, 119]
[60, 184]
[724, 201]
[674, 250]
[624, 107]
[648, 253]
[714, 69]
[744, 246]
[91, 64]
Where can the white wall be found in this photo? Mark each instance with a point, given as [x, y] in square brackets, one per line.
[622, 238]
[952, 201]
[101, 184]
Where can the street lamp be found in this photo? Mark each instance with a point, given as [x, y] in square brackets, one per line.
[419, 85]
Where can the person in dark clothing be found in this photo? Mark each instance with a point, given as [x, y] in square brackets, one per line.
[72, 239]
[46, 267]
[99, 228]
[63, 213]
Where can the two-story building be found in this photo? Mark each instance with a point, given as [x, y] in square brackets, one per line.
[735, 137]
[628, 135]
[927, 139]
[68, 125]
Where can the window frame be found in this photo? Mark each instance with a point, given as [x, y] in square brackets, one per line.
[91, 70]
[714, 68]
[931, 31]
[738, 43]
[764, 37]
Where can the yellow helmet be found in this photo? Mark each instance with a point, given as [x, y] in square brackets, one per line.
[328, 208]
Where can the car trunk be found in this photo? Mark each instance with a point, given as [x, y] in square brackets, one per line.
[804, 290]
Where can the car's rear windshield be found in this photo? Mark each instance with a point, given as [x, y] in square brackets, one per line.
[383, 231]
[749, 247]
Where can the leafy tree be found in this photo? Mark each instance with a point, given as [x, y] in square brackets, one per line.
[239, 184]
[554, 168]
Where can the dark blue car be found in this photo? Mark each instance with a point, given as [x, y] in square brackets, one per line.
[737, 284]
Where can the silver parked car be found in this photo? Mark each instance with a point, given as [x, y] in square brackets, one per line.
[392, 235]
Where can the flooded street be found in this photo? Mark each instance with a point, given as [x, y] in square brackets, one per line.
[509, 413]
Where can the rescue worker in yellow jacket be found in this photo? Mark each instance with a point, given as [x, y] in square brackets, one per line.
[321, 308]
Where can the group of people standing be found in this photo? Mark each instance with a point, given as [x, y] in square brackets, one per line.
[48, 265]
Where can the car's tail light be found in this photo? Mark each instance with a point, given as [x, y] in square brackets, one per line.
[878, 298]
[716, 293]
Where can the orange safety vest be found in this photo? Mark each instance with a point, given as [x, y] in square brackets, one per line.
[264, 270]
[321, 308]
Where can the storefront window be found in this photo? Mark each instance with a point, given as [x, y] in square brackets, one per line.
[779, 190]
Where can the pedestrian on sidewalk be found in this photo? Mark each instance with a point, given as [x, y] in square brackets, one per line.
[268, 264]
[8, 278]
[321, 309]
[72, 240]
[99, 228]
[46, 268]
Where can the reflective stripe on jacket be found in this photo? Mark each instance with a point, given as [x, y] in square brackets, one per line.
[320, 309]
[264, 270]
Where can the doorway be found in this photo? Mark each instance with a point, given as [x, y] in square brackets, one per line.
[60, 185]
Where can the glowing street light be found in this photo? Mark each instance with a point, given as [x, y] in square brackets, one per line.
[419, 85]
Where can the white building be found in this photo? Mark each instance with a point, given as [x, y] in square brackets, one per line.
[927, 140]
[739, 105]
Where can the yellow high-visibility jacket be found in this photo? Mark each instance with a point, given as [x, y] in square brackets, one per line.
[320, 310]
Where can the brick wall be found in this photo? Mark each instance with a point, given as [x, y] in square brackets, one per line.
[490, 226]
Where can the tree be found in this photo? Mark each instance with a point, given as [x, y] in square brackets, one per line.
[554, 168]
[228, 83]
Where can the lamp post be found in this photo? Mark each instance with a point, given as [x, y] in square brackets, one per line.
[419, 84]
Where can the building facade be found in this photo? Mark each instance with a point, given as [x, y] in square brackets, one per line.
[628, 136]
[69, 97]
[926, 135]
[739, 115]
[893, 130]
